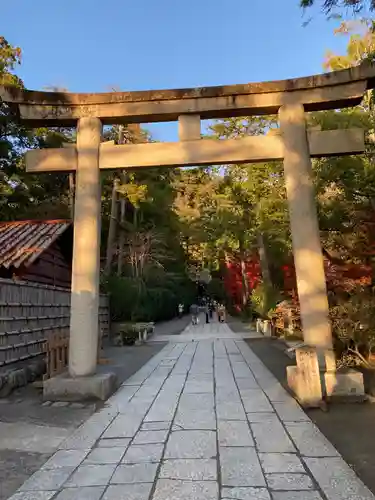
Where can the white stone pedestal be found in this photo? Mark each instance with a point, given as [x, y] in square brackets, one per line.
[66, 388]
[346, 384]
[312, 382]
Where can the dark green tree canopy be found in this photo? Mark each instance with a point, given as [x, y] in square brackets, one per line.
[328, 6]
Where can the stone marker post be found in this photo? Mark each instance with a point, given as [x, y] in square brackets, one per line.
[308, 257]
[86, 252]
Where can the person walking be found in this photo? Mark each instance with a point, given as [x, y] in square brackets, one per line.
[180, 310]
[221, 313]
[207, 312]
[211, 309]
[194, 313]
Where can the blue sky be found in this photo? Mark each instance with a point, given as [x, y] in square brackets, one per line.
[93, 46]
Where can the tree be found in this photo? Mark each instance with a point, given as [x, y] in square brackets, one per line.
[356, 6]
[23, 195]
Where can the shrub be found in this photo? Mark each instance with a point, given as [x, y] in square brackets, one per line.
[264, 301]
[353, 324]
[132, 299]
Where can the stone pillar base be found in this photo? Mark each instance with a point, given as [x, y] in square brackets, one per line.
[65, 388]
[312, 382]
[347, 385]
[308, 395]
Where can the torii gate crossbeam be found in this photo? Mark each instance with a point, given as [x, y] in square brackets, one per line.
[295, 145]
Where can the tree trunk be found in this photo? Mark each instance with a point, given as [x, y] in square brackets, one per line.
[120, 255]
[245, 282]
[112, 229]
[71, 194]
[263, 260]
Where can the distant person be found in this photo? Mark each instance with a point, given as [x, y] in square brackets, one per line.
[211, 308]
[221, 313]
[180, 310]
[194, 311]
[207, 312]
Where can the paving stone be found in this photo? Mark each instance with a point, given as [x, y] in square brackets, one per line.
[192, 402]
[105, 456]
[66, 458]
[196, 419]
[261, 417]
[143, 453]
[135, 409]
[310, 441]
[163, 408]
[51, 479]
[156, 426]
[114, 443]
[139, 491]
[274, 391]
[89, 493]
[241, 370]
[91, 475]
[168, 362]
[240, 467]
[290, 412]
[280, 462]
[254, 400]
[122, 426]
[197, 386]
[247, 383]
[189, 469]
[337, 480]
[296, 495]
[234, 433]
[228, 410]
[245, 493]
[219, 350]
[135, 473]
[285, 481]
[270, 436]
[169, 489]
[88, 433]
[228, 394]
[191, 444]
[33, 495]
[150, 437]
[231, 347]
[236, 357]
[202, 369]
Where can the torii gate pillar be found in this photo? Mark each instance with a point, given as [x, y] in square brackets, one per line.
[307, 251]
[83, 344]
[317, 356]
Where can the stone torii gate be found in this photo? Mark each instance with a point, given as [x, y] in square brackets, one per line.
[294, 144]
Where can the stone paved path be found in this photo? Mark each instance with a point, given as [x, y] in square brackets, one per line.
[202, 420]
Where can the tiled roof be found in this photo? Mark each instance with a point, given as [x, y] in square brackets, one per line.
[22, 242]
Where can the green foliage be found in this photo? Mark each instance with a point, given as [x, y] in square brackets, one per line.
[264, 299]
[353, 323]
[25, 196]
[153, 300]
[10, 57]
[216, 289]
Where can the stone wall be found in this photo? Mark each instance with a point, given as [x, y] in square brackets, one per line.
[29, 312]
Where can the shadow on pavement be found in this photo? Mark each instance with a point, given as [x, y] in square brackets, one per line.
[349, 427]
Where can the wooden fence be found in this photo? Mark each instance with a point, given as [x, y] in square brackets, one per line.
[31, 313]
